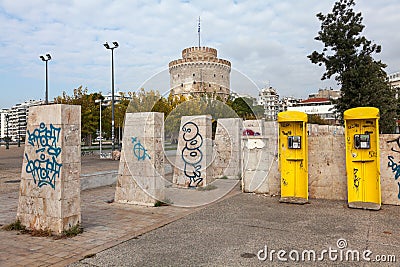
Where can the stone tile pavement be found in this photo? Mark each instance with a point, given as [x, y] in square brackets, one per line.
[105, 225]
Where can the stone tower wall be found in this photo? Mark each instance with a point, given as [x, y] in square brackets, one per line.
[200, 71]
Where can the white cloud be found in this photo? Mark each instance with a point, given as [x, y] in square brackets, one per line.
[267, 40]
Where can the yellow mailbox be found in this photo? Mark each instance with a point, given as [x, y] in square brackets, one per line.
[293, 156]
[362, 158]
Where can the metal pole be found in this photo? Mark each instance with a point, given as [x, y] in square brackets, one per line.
[112, 100]
[47, 86]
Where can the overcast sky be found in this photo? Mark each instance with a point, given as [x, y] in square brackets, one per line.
[267, 42]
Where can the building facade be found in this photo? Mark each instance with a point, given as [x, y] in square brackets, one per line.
[286, 102]
[200, 72]
[326, 93]
[17, 117]
[322, 107]
[269, 99]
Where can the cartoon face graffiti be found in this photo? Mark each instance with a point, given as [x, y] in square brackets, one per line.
[191, 153]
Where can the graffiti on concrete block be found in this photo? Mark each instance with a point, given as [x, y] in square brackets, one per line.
[191, 153]
[356, 179]
[139, 150]
[44, 168]
[395, 166]
[397, 141]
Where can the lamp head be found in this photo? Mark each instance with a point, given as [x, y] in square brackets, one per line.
[116, 44]
[42, 57]
[106, 45]
[48, 56]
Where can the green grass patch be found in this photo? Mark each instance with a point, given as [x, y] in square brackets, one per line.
[165, 202]
[73, 231]
[206, 188]
[15, 226]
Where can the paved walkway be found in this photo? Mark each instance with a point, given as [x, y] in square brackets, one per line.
[233, 231]
[105, 225]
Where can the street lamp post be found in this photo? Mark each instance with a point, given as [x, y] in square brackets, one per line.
[106, 45]
[99, 101]
[48, 57]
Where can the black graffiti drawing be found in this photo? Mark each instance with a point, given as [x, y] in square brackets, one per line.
[191, 153]
[397, 141]
[351, 126]
[43, 169]
[356, 179]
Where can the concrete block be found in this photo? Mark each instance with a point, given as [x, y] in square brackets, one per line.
[194, 153]
[141, 168]
[51, 167]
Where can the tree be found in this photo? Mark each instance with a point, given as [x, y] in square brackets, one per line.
[348, 57]
[243, 108]
[89, 110]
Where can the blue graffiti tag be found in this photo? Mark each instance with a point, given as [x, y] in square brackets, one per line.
[395, 167]
[44, 170]
[138, 150]
[191, 153]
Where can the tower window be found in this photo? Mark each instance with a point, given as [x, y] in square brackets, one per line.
[194, 82]
[181, 84]
[209, 85]
[214, 74]
[194, 75]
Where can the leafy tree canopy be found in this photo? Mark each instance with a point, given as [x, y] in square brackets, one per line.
[348, 56]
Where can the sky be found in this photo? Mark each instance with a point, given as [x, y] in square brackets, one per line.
[267, 42]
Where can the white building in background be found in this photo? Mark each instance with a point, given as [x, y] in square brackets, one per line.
[394, 81]
[286, 102]
[118, 97]
[326, 93]
[269, 99]
[322, 107]
[17, 119]
[3, 123]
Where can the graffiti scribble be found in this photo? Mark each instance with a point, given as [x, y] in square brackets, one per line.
[191, 153]
[44, 169]
[138, 150]
[397, 141]
[356, 179]
[394, 166]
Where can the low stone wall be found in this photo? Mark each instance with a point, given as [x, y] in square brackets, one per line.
[98, 179]
[390, 168]
[327, 178]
